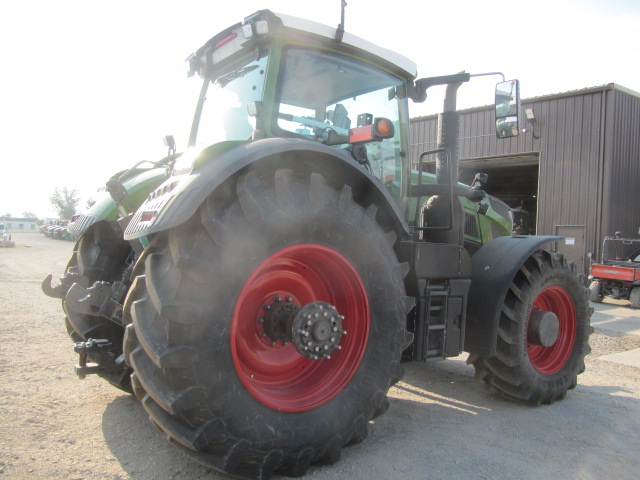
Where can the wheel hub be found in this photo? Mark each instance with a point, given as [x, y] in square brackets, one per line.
[315, 329]
[277, 320]
[543, 328]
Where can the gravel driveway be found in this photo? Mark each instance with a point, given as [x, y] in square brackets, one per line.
[441, 424]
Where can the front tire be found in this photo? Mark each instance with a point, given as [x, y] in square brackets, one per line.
[595, 292]
[99, 255]
[523, 369]
[634, 297]
[226, 388]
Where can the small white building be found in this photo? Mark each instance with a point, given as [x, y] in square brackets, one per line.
[13, 224]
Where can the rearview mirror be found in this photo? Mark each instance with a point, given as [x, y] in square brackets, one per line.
[507, 109]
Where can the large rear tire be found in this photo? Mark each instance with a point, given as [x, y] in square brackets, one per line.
[208, 366]
[523, 369]
[99, 255]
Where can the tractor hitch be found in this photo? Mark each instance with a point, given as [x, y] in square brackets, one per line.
[101, 356]
[60, 290]
[101, 299]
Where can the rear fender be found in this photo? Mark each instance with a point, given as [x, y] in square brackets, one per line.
[177, 199]
[494, 266]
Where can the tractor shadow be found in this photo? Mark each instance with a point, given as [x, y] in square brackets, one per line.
[141, 449]
[446, 424]
[442, 423]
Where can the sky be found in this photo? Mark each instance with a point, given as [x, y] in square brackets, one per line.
[90, 88]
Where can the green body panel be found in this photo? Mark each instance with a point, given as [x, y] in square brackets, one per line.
[211, 152]
[138, 183]
[491, 223]
[488, 226]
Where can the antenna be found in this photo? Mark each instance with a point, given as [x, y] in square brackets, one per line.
[340, 30]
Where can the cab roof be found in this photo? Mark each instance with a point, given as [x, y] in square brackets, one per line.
[328, 32]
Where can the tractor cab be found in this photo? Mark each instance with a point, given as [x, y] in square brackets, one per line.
[276, 76]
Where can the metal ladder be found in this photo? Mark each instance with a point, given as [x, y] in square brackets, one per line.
[436, 300]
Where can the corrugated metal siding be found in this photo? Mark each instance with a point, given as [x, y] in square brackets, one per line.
[588, 144]
[423, 136]
[569, 183]
[622, 161]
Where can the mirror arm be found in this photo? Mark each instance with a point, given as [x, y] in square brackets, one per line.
[419, 93]
[489, 74]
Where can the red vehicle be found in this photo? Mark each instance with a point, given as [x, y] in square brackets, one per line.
[618, 275]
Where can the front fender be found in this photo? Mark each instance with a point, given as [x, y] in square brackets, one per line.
[178, 198]
[494, 266]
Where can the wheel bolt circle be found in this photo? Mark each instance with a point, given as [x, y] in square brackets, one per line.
[315, 330]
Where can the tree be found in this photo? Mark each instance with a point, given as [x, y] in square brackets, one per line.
[65, 202]
[27, 214]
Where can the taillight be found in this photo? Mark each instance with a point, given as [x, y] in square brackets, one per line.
[380, 129]
[226, 40]
[147, 216]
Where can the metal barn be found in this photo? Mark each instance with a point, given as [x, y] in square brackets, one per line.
[574, 170]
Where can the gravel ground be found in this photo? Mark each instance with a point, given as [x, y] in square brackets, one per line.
[442, 423]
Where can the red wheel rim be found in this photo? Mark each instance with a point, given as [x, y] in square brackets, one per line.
[278, 376]
[548, 360]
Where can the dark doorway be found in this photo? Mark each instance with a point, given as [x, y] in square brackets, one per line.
[514, 180]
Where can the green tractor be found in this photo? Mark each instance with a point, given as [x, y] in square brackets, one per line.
[259, 291]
